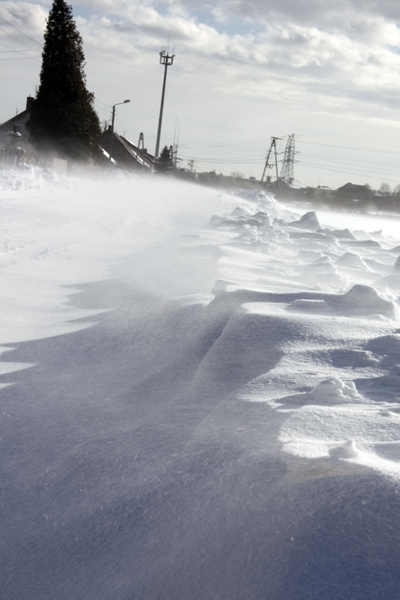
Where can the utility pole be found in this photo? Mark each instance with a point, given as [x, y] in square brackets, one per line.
[166, 60]
[268, 165]
[287, 170]
[175, 145]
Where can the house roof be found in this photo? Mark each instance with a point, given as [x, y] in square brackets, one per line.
[352, 186]
[19, 119]
[141, 156]
[125, 152]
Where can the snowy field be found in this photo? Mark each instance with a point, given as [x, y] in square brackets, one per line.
[199, 395]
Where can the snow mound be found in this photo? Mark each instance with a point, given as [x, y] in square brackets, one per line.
[359, 301]
[308, 221]
[335, 391]
[343, 234]
[240, 211]
[321, 268]
[264, 218]
[364, 300]
[330, 391]
[371, 244]
[353, 261]
[321, 264]
[240, 219]
[309, 255]
[346, 450]
[262, 200]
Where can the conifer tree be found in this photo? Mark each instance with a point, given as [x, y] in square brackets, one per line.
[165, 162]
[63, 118]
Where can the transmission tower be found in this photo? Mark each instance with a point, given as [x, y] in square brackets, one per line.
[287, 170]
[141, 142]
[268, 164]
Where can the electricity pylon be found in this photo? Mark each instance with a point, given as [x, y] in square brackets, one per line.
[268, 164]
[141, 142]
[287, 170]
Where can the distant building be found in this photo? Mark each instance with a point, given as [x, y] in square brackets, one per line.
[291, 189]
[351, 191]
[17, 124]
[14, 138]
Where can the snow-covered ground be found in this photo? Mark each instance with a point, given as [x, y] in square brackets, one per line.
[199, 394]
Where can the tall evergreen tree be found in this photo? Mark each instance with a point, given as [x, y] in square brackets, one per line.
[62, 117]
[165, 162]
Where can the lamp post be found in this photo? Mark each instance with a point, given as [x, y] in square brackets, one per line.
[112, 125]
[113, 112]
[166, 60]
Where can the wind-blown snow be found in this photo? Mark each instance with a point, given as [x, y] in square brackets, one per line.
[185, 376]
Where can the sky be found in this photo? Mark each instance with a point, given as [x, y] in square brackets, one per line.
[243, 71]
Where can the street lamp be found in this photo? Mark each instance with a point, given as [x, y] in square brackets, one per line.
[112, 126]
[113, 113]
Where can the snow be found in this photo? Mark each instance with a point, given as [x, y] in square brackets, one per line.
[199, 394]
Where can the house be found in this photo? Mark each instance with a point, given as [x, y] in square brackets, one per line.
[291, 189]
[351, 191]
[16, 125]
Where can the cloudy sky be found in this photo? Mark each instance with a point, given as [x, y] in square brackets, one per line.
[244, 70]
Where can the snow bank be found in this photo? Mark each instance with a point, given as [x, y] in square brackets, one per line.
[330, 334]
[296, 305]
[210, 405]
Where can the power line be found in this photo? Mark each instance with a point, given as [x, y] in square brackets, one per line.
[3, 51]
[21, 32]
[22, 52]
[249, 161]
[344, 172]
[362, 169]
[19, 41]
[364, 148]
[345, 160]
[18, 58]
[26, 47]
[224, 145]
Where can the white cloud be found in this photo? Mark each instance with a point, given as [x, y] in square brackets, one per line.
[312, 12]
[26, 16]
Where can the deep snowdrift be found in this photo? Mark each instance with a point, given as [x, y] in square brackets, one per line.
[199, 395]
